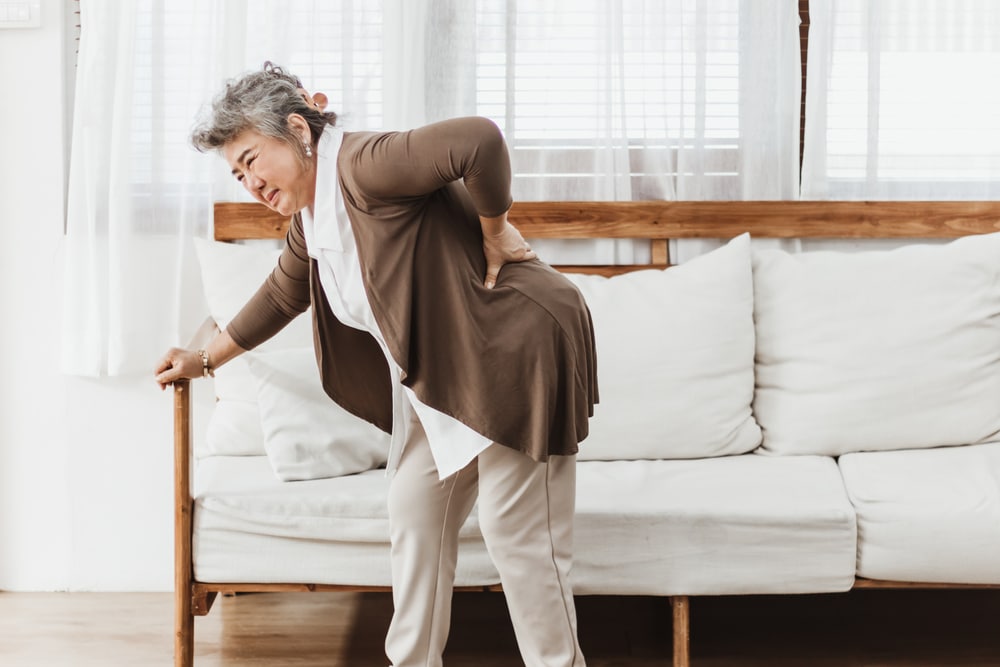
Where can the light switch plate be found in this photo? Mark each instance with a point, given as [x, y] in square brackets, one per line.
[24, 14]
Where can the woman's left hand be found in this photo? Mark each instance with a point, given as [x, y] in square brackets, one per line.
[502, 244]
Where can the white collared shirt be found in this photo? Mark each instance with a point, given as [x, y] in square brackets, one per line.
[330, 241]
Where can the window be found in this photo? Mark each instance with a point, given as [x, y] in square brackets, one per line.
[903, 100]
[570, 82]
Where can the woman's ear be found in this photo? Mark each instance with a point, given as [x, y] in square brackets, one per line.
[299, 125]
[320, 100]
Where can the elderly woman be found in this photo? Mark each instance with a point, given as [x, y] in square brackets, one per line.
[434, 321]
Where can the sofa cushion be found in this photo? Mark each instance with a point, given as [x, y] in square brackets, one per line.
[674, 359]
[927, 515]
[233, 429]
[306, 434]
[230, 275]
[742, 524]
[878, 350]
[249, 526]
[731, 525]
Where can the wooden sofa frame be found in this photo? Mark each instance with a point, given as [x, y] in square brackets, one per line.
[655, 221]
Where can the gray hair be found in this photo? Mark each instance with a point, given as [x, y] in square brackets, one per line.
[260, 101]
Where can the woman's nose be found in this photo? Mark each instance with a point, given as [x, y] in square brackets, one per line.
[252, 183]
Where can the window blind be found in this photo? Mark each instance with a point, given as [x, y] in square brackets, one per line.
[567, 78]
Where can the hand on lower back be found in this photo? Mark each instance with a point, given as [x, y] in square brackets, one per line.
[503, 247]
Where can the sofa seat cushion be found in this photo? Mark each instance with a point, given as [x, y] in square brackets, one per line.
[251, 527]
[927, 515]
[730, 525]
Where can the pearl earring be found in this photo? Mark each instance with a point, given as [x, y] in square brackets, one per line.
[309, 150]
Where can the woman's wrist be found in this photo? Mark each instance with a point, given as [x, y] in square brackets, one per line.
[207, 370]
[220, 350]
[493, 226]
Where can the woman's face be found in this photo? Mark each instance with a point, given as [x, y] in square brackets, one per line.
[271, 171]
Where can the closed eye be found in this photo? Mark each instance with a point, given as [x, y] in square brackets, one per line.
[239, 177]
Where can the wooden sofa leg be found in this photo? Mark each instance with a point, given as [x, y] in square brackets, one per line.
[681, 606]
[183, 629]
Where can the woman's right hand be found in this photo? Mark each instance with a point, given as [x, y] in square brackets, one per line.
[178, 364]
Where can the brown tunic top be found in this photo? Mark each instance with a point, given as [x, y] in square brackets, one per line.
[515, 363]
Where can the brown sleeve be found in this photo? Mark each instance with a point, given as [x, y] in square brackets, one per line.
[284, 294]
[398, 165]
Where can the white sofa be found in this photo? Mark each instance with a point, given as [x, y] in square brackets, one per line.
[770, 423]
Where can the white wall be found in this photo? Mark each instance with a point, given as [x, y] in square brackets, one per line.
[85, 464]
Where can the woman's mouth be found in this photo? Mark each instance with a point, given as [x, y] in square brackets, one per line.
[272, 197]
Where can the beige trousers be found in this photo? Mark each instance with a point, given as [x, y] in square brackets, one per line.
[526, 515]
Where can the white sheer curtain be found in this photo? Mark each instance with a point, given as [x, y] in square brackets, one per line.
[138, 192]
[627, 100]
[599, 99]
[132, 200]
[902, 100]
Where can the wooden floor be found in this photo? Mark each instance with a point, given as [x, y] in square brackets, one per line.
[862, 628]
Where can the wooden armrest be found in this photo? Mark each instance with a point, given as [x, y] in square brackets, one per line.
[183, 580]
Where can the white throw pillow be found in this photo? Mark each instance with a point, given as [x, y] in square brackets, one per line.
[306, 434]
[878, 350]
[675, 352]
[233, 273]
[230, 275]
[233, 430]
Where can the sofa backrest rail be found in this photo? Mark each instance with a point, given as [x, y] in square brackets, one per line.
[695, 219]
[659, 221]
